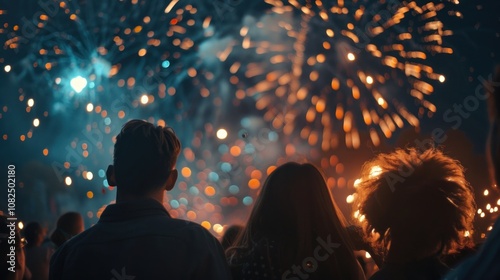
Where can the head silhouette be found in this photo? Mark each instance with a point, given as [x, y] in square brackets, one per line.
[296, 208]
[34, 234]
[419, 199]
[68, 225]
[144, 159]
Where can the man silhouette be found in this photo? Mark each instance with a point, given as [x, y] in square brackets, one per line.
[136, 238]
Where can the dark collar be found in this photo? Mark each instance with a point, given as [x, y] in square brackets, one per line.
[132, 210]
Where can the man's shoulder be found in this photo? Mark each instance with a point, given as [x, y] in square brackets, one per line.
[157, 226]
[176, 230]
[164, 225]
[160, 241]
[193, 231]
[75, 240]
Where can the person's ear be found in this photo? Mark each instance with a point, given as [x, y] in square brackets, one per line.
[172, 178]
[110, 176]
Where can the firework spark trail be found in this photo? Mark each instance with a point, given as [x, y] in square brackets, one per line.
[102, 67]
[357, 64]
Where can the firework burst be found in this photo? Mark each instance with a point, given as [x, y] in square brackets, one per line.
[329, 67]
[86, 50]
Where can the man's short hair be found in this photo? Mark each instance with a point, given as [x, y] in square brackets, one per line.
[144, 156]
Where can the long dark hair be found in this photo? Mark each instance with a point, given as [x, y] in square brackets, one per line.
[296, 208]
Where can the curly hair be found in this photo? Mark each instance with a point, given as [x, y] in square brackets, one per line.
[422, 197]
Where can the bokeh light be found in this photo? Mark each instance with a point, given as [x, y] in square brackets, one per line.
[78, 83]
[222, 134]
[68, 181]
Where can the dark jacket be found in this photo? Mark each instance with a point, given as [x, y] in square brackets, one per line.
[139, 240]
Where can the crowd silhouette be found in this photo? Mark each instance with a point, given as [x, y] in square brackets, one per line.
[415, 212]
